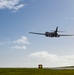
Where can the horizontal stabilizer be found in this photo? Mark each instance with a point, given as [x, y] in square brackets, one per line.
[57, 31]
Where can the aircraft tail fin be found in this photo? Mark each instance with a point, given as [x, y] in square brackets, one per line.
[56, 29]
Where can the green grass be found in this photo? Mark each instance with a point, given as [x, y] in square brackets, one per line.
[34, 71]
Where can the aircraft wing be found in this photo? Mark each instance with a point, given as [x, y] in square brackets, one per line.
[37, 33]
[65, 35]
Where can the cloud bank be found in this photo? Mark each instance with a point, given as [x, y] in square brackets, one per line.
[51, 60]
[43, 57]
[11, 4]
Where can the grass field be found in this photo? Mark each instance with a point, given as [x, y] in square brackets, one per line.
[34, 71]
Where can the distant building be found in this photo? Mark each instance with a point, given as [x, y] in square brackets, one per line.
[40, 66]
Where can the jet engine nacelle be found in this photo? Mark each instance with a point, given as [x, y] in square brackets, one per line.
[47, 34]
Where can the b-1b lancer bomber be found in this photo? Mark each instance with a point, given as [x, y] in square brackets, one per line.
[52, 34]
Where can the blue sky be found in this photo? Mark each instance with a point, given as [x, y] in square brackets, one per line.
[18, 48]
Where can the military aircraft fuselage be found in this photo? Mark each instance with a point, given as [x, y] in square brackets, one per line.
[51, 34]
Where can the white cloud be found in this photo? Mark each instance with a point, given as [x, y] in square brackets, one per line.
[11, 4]
[42, 57]
[50, 60]
[16, 44]
[20, 43]
[22, 40]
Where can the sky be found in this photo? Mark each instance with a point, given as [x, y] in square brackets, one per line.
[19, 48]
